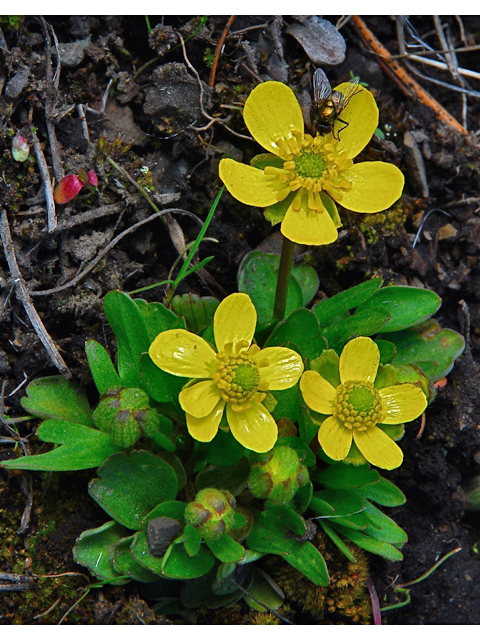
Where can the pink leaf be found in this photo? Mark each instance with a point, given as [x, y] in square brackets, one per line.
[92, 178]
[67, 189]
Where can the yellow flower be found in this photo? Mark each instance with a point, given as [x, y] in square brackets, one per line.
[356, 407]
[306, 174]
[237, 377]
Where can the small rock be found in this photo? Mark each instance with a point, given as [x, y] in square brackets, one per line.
[322, 43]
[161, 532]
[175, 95]
[447, 231]
[229, 150]
[72, 53]
[121, 123]
[17, 84]
[162, 38]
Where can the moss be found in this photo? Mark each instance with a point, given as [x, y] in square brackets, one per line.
[344, 598]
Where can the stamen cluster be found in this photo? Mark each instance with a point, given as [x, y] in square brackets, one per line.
[237, 376]
[311, 164]
[358, 405]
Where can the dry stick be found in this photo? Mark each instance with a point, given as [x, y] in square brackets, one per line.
[24, 297]
[211, 82]
[103, 252]
[50, 102]
[42, 165]
[407, 84]
[202, 108]
[174, 229]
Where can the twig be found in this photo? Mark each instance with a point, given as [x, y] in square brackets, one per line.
[42, 165]
[27, 490]
[377, 616]
[444, 66]
[221, 42]
[407, 84]
[174, 229]
[50, 98]
[104, 251]
[15, 582]
[24, 297]
[49, 610]
[202, 108]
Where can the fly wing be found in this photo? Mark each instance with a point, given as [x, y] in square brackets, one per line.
[341, 99]
[321, 86]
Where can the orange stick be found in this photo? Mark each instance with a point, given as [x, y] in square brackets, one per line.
[218, 51]
[405, 81]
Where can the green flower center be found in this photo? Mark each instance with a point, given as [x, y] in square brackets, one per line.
[310, 165]
[238, 378]
[358, 405]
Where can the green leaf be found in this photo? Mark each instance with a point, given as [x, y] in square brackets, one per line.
[225, 549]
[263, 160]
[327, 365]
[176, 465]
[382, 492]
[232, 479]
[407, 306]
[337, 541]
[83, 448]
[179, 565]
[160, 385]
[124, 562]
[275, 213]
[222, 451]
[360, 324]
[129, 487]
[288, 403]
[132, 336]
[55, 397]
[257, 276]
[285, 516]
[344, 476]
[265, 590]
[428, 342]
[93, 549]
[328, 309]
[142, 555]
[269, 537]
[174, 509]
[192, 541]
[387, 350]
[197, 311]
[368, 543]
[103, 372]
[384, 528]
[342, 507]
[301, 332]
[158, 318]
[306, 427]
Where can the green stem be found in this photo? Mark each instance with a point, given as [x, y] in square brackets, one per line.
[283, 278]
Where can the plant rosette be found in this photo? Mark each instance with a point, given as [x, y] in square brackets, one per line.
[301, 178]
[358, 412]
[235, 379]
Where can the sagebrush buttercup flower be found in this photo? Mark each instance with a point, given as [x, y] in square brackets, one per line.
[303, 176]
[357, 410]
[235, 378]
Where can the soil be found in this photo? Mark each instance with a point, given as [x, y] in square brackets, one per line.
[152, 122]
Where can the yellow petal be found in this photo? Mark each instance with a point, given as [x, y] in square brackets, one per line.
[334, 438]
[375, 187]
[403, 403]
[200, 399]
[307, 226]
[235, 320]
[284, 367]
[361, 113]
[205, 429]
[272, 112]
[254, 428]
[182, 353]
[317, 392]
[247, 184]
[359, 360]
[378, 448]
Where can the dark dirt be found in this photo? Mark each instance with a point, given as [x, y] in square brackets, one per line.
[154, 126]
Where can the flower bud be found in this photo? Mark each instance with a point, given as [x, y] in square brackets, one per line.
[212, 513]
[126, 415]
[276, 475]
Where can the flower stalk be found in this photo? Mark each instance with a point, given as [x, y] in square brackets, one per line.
[283, 279]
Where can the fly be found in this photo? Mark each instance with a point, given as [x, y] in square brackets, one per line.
[328, 105]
